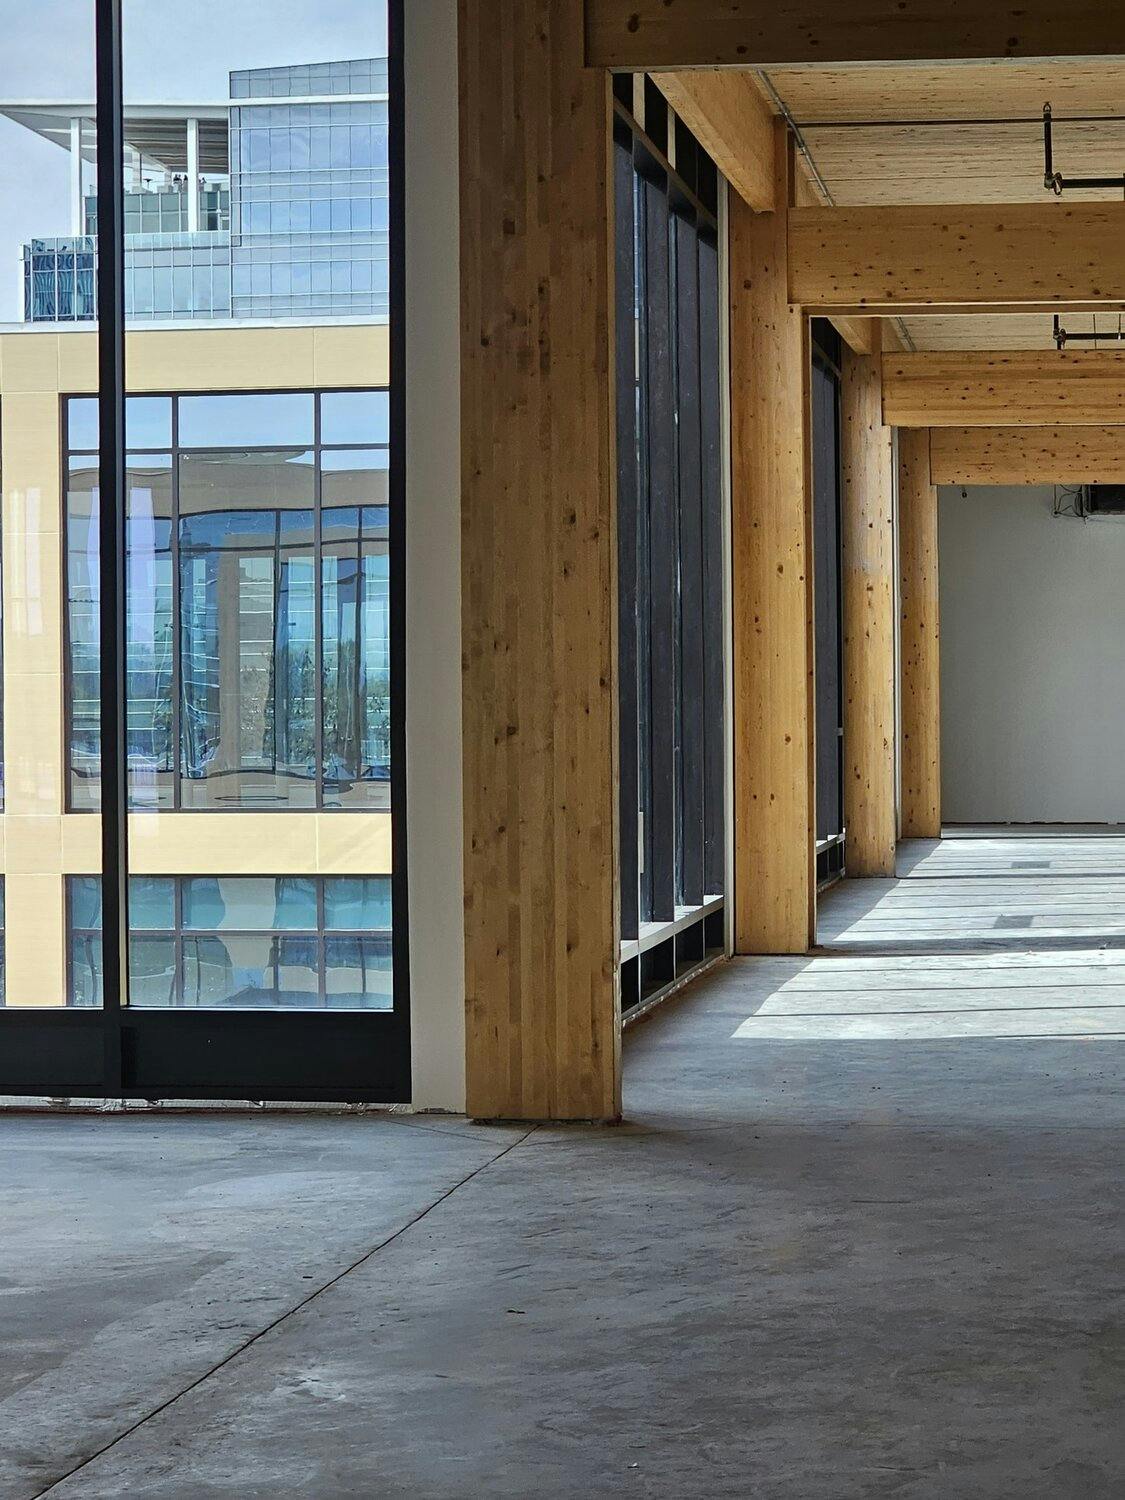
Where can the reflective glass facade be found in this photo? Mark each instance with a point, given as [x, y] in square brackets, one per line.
[258, 602]
[309, 194]
[300, 230]
[241, 942]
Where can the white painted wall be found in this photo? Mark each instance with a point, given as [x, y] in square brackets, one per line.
[1032, 660]
[433, 560]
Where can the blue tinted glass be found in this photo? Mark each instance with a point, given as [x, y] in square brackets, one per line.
[246, 421]
[85, 986]
[148, 421]
[85, 900]
[355, 417]
[152, 971]
[248, 903]
[357, 903]
[82, 422]
[296, 904]
[358, 973]
[152, 903]
[250, 972]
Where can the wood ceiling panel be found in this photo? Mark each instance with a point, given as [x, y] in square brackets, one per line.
[1016, 331]
[950, 162]
[969, 91]
[962, 163]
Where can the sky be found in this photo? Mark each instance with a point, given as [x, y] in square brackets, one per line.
[175, 51]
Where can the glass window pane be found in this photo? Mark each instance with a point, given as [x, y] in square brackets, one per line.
[85, 901]
[85, 979]
[282, 418]
[357, 973]
[355, 417]
[148, 422]
[250, 972]
[148, 626]
[250, 903]
[152, 903]
[82, 422]
[355, 476]
[247, 630]
[357, 903]
[152, 970]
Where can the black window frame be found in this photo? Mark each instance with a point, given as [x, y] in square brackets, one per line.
[114, 1051]
[826, 354]
[672, 627]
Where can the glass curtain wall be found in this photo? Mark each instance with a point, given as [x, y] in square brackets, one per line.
[204, 557]
[258, 601]
[828, 626]
[671, 550]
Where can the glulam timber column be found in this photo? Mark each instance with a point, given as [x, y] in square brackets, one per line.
[868, 551]
[771, 559]
[538, 568]
[920, 638]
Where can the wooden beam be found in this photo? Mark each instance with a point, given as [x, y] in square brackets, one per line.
[862, 335]
[643, 35]
[774, 877]
[1006, 255]
[867, 537]
[730, 119]
[1027, 455]
[1019, 388]
[919, 639]
[538, 568]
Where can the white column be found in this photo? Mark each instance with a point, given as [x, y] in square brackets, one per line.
[77, 208]
[433, 563]
[193, 176]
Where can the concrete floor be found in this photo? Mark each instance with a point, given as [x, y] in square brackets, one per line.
[875, 1254]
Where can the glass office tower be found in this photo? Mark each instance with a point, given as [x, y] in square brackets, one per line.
[273, 204]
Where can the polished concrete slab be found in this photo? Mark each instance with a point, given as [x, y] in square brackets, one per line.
[825, 1264]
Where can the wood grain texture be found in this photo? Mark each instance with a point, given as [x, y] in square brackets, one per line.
[775, 893]
[983, 330]
[1072, 388]
[980, 162]
[920, 638]
[641, 35]
[729, 118]
[1015, 256]
[969, 91]
[1027, 455]
[538, 568]
[862, 335]
[867, 546]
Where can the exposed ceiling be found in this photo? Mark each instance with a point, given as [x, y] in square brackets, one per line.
[959, 133]
[951, 91]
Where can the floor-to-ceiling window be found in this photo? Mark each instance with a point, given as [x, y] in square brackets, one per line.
[827, 626]
[671, 545]
[205, 879]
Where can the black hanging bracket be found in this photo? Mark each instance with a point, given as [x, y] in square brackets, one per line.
[1062, 337]
[1055, 182]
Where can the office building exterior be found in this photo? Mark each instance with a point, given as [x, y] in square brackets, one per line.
[258, 588]
[273, 204]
